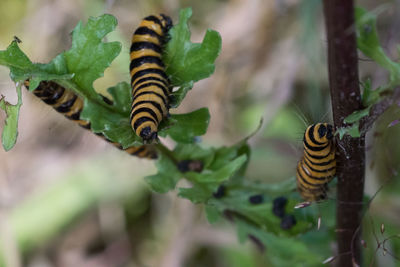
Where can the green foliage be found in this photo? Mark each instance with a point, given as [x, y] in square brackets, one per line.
[185, 127]
[368, 43]
[352, 130]
[189, 62]
[218, 165]
[369, 96]
[10, 130]
[89, 56]
[282, 251]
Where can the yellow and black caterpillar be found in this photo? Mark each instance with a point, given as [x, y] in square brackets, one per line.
[150, 84]
[70, 105]
[317, 166]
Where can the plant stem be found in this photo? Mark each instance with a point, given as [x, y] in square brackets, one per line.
[345, 96]
[166, 152]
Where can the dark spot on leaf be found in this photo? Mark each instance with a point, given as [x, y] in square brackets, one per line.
[288, 222]
[220, 192]
[190, 166]
[278, 207]
[257, 199]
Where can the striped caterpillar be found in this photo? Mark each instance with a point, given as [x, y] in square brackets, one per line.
[69, 104]
[317, 166]
[150, 85]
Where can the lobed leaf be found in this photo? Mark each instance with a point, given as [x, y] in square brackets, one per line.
[188, 62]
[167, 176]
[89, 56]
[184, 128]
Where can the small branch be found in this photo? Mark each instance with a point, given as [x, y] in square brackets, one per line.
[346, 98]
[379, 108]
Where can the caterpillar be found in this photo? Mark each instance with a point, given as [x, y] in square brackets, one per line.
[69, 104]
[317, 167]
[150, 85]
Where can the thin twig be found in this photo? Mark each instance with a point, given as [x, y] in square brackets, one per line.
[379, 108]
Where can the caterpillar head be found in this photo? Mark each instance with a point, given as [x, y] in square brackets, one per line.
[148, 134]
[323, 132]
[166, 22]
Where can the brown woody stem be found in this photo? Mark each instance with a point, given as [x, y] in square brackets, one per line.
[345, 96]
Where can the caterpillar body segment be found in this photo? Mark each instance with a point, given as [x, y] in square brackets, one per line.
[317, 167]
[69, 104]
[150, 85]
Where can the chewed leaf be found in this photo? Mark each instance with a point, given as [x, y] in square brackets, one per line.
[21, 68]
[180, 94]
[189, 62]
[89, 56]
[10, 130]
[14, 58]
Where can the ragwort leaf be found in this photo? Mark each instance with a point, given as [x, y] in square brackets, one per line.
[89, 56]
[189, 62]
[183, 128]
[10, 130]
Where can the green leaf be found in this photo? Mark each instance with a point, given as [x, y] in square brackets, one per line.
[179, 95]
[288, 251]
[14, 58]
[197, 194]
[280, 188]
[122, 99]
[212, 214]
[21, 68]
[195, 152]
[218, 175]
[218, 165]
[167, 176]
[369, 96]
[183, 128]
[352, 130]
[10, 130]
[357, 115]
[89, 56]
[115, 126]
[368, 43]
[189, 62]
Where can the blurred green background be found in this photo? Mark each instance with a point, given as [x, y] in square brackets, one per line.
[67, 198]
